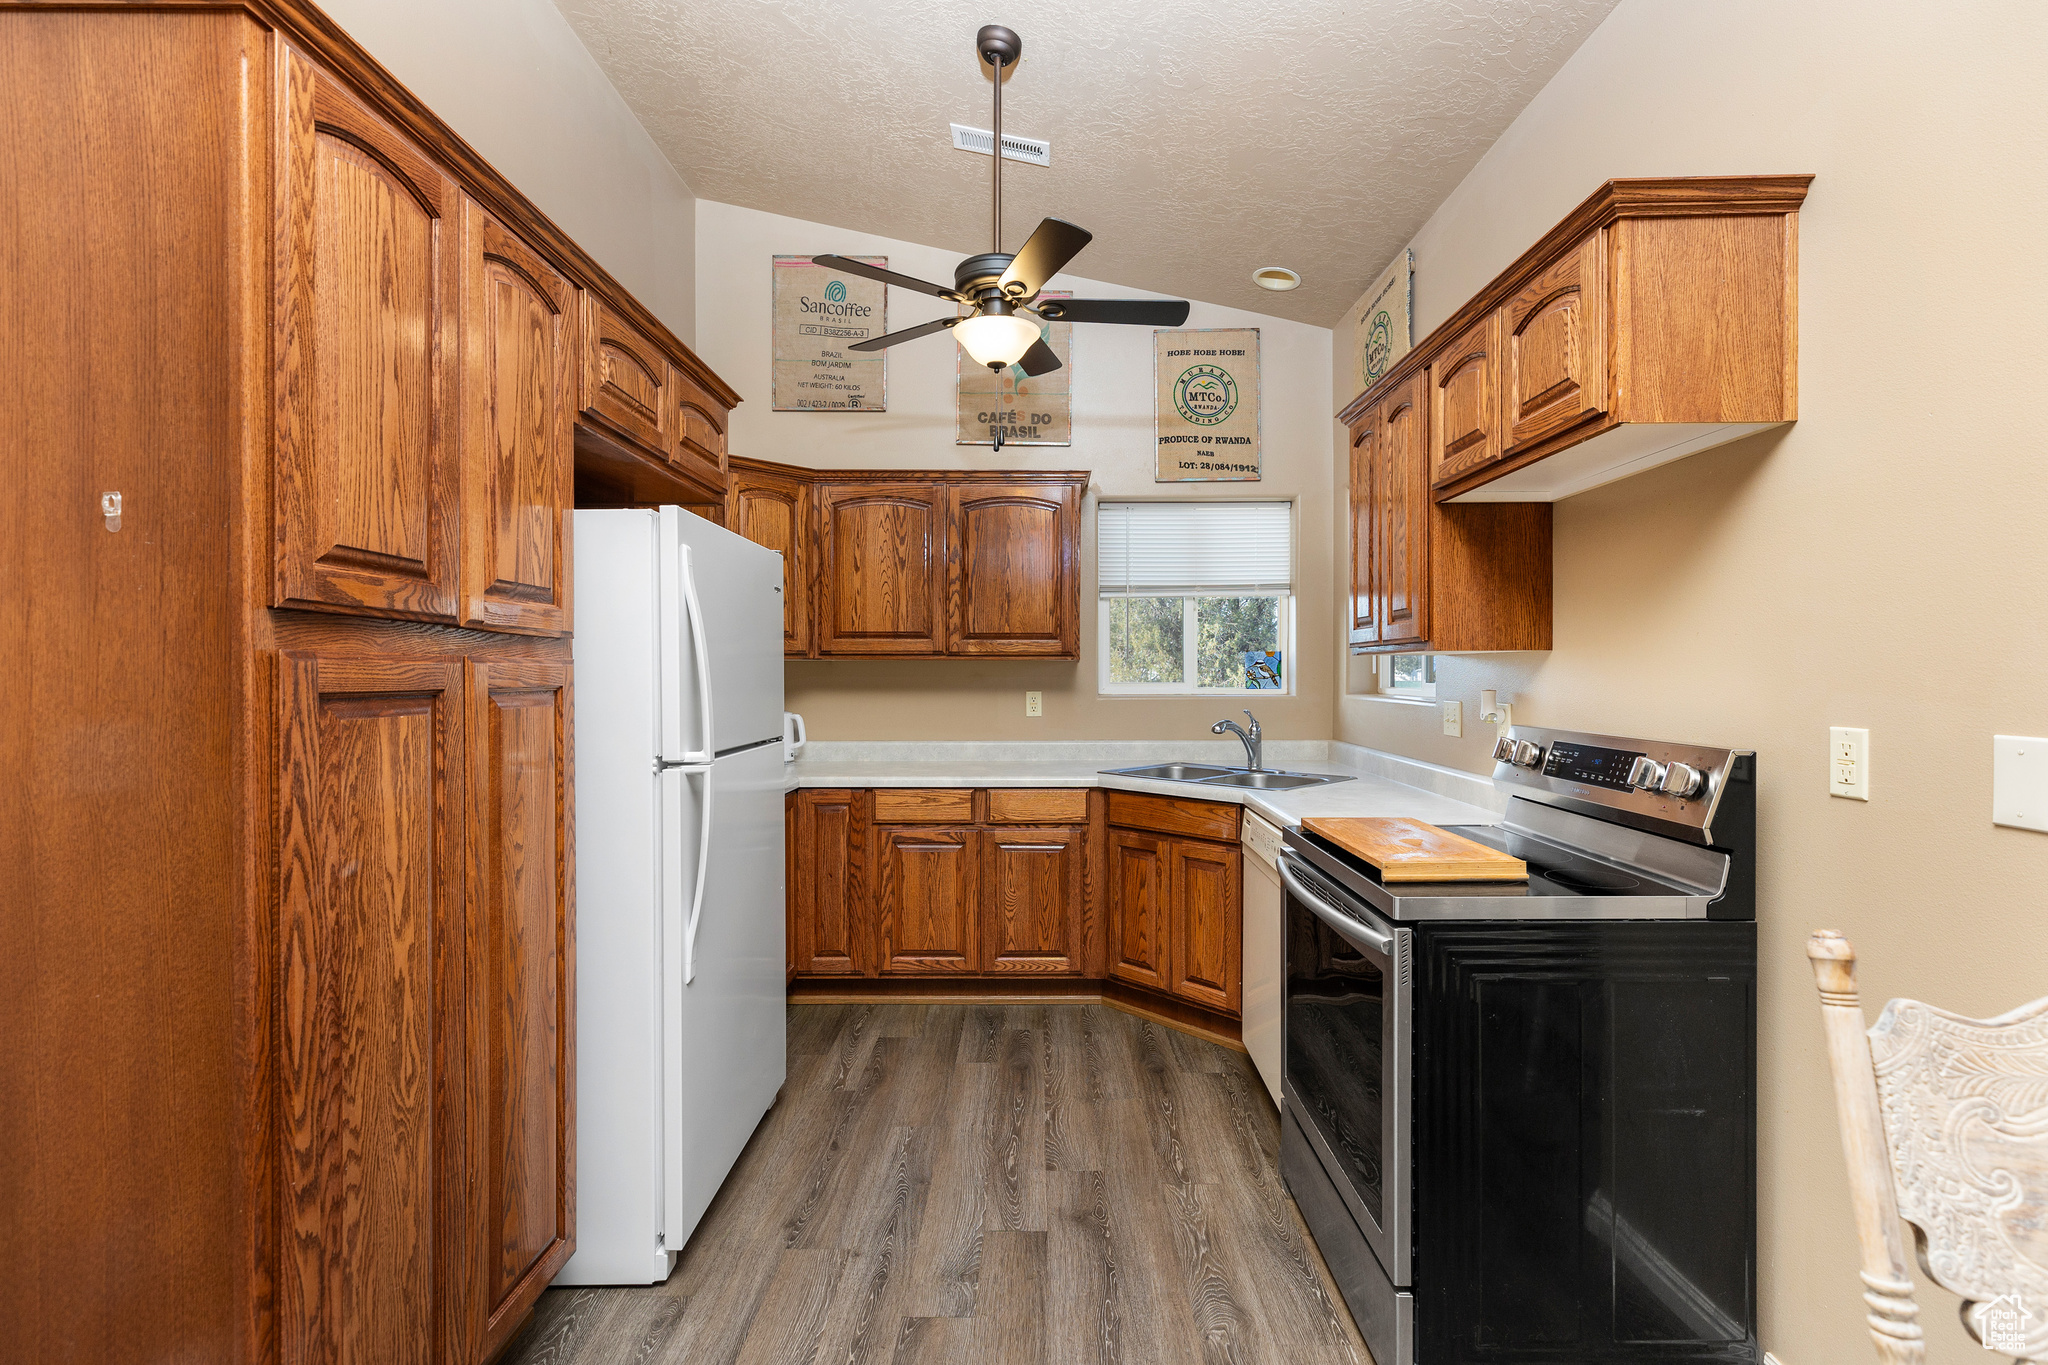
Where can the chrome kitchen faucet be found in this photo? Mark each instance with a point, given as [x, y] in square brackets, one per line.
[1253, 745]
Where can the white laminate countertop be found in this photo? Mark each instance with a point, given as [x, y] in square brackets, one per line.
[1364, 794]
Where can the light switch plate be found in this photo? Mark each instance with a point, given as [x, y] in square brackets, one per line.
[1454, 718]
[2019, 782]
[1849, 762]
[1034, 703]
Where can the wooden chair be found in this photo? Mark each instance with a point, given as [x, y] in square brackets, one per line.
[1945, 1123]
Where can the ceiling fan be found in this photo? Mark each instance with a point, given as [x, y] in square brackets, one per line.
[1003, 289]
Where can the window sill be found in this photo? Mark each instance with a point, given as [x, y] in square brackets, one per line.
[1189, 696]
[1391, 698]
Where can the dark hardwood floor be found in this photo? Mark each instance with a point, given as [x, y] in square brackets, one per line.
[985, 1183]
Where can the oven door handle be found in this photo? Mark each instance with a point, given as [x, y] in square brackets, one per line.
[1378, 940]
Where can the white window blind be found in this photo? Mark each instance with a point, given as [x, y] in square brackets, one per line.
[1160, 549]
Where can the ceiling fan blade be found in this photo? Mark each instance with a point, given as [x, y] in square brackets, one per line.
[1041, 257]
[923, 329]
[1039, 359]
[1136, 312]
[875, 272]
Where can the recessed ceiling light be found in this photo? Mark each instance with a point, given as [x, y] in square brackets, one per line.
[1276, 277]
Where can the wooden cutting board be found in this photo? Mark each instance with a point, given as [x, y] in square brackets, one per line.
[1407, 850]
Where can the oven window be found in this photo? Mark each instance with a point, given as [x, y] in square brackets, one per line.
[1334, 1026]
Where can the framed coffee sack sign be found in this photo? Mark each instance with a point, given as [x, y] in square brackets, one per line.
[1026, 411]
[1385, 327]
[819, 313]
[1206, 405]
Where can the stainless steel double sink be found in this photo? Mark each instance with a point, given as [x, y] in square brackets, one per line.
[1208, 775]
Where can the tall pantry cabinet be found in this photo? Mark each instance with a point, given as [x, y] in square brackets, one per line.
[289, 381]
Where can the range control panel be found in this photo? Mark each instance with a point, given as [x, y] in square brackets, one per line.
[1658, 783]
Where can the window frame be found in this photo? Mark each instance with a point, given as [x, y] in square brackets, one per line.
[1190, 642]
[1383, 677]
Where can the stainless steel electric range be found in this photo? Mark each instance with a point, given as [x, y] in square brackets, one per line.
[1519, 1118]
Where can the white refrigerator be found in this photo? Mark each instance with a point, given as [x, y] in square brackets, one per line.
[679, 877]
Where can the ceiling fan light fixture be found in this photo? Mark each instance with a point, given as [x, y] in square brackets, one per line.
[996, 339]
[1276, 277]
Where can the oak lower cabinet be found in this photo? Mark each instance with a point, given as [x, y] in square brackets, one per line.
[926, 901]
[1031, 889]
[917, 563]
[1140, 883]
[829, 935]
[424, 930]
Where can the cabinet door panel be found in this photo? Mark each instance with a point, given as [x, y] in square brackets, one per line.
[926, 902]
[1365, 540]
[1208, 924]
[878, 574]
[521, 987]
[1465, 404]
[776, 512]
[831, 935]
[517, 461]
[1556, 346]
[625, 386]
[1140, 884]
[1405, 512]
[697, 432]
[1031, 900]
[371, 1040]
[366, 466]
[1011, 559]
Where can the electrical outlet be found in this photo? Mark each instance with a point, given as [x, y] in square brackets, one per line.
[1034, 703]
[1454, 719]
[1849, 762]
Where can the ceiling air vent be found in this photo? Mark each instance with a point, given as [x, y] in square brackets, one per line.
[1014, 148]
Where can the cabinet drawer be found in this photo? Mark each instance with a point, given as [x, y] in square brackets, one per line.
[924, 806]
[1172, 815]
[1036, 806]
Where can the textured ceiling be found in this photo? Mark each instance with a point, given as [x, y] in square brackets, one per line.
[1196, 140]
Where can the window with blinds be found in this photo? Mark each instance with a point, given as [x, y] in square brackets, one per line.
[1196, 597]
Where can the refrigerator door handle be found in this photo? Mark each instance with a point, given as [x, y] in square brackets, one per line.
[703, 867]
[695, 611]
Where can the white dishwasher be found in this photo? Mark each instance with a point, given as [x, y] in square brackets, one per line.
[1261, 1002]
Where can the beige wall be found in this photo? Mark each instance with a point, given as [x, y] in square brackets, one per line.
[958, 699]
[1877, 564]
[514, 80]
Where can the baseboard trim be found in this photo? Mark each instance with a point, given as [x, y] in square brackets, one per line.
[1183, 1018]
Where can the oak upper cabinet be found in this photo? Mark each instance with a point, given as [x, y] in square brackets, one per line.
[371, 1052]
[1554, 339]
[1140, 884]
[1405, 517]
[520, 989]
[697, 432]
[774, 510]
[1365, 532]
[366, 278]
[1464, 403]
[1207, 923]
[518, 332]
[879, 580]
[926, 901]
[1659, 318]
[830, 935]
[1031, 884]
[626, 391]
[1012, 569]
